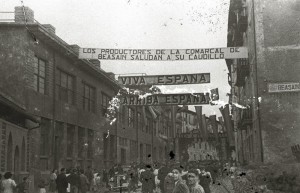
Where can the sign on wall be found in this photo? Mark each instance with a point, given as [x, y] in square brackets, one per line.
[166, 99]
[283, 87]
[165, 79]
[163, 54]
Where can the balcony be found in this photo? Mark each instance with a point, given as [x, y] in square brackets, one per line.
[243, 70]
[246, 118]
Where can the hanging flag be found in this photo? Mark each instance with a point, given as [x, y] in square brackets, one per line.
[199, 117]
[214, 94]
[228, 124]
[144, 118]
[154, 115]
[213, 121]
[222, 123]
[204, 127]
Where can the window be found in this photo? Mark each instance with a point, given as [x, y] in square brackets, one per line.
[39, 67]
[70, 139]
[149, 125]
[148, 150]
[154, 128]
[89, 96]
[65, 87]
[81, 142]
[133, 150]
[122, 141]
[105, 103]
[90, 148]
[139, 121]
[130, 117]
[123, 115]
[45, 135]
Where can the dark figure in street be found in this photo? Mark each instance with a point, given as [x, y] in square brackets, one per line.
[147, 180]
[90, 176]
[84, 182]
[74, 180]
[162, 174]
[23, 186]
[61, 181]
[205, 179]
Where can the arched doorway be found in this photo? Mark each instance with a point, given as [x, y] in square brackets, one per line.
[17, 160]
[9, 158]
[17, 164]
[23, 159]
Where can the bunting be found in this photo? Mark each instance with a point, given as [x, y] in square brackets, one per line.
[204, 127]
[213, 121]
[199, 117]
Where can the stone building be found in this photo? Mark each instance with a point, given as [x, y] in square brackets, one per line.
[267, 83]
[66, 97]
[61, 103]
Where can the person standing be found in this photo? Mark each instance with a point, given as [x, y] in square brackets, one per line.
[61, 181]
[22, 187]
[205, 180]
[52, 181]
[193, 182]
[42, 186]
[180, 185]
[90, 176]
[148, 180]
[73, 180]
[8, 184]
[162, 174]
[84, 182]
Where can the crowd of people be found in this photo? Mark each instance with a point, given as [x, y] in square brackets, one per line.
[175, 178]
[147, 178]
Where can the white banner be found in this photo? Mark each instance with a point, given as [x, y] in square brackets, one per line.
[172, 79]
[163, 54]
[283, 87]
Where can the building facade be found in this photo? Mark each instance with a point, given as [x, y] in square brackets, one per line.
[68, 98]
[62, 103]
[267, 83]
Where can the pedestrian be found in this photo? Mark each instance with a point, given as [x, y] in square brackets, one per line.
[84, 182]
[148, 180]
[180, 185]
[42, 186]
[52, 181]
[205, 180]
[90, 176]
[162, 174]
[8, 184]
[61, 181]
[169, 183]
[133, 180]
[99, 184]
[193, 182]
[105, 177]
[22, 187]
[74, 180]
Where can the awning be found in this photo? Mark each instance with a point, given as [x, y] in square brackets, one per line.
[17, 108]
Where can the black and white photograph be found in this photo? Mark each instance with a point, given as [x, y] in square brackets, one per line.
[140, 96]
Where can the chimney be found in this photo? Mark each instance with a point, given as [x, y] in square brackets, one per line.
[49, 28]
[95, 63]
[19, 15]
[75, 48]
[111, 75]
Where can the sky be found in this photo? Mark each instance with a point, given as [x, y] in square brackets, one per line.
[143, 24]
